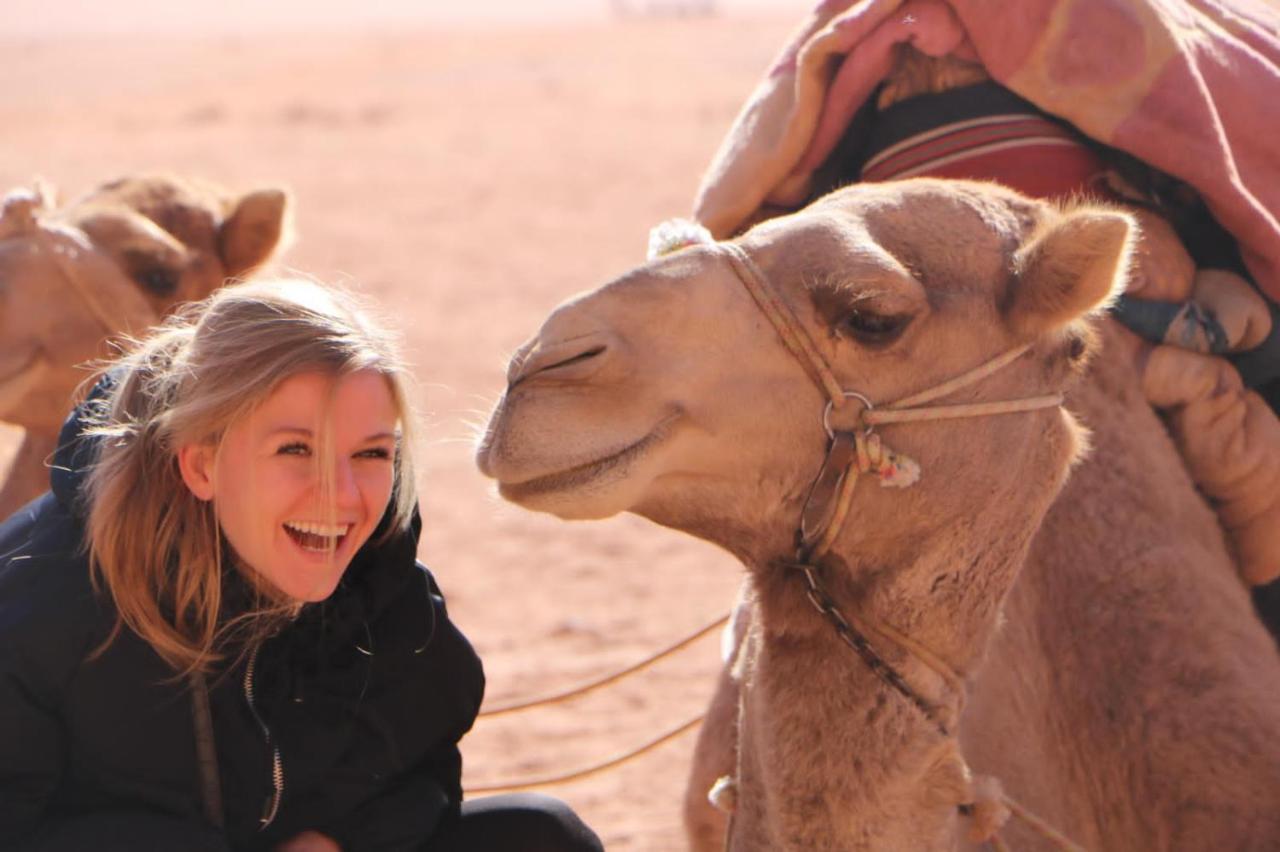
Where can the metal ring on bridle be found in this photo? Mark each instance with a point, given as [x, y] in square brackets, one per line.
[867, 404]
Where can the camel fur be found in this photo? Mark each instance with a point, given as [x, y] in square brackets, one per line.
[1118, 684]
[139, 245]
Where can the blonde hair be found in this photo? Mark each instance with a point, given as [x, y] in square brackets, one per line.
[154, 544]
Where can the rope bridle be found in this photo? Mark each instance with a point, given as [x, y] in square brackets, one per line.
[126, 310]
[854, 448]
[119, 311]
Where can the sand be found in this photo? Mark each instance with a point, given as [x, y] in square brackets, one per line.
[469, 180]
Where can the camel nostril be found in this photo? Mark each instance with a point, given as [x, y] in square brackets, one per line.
[569, 360]
[576, 359]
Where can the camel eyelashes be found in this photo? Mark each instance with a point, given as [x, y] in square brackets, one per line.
[872, 329]
[156, 279]
[161, 282]
[870, 307]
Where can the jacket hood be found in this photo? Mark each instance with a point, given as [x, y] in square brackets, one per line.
[76, 451]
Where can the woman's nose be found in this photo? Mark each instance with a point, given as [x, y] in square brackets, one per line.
[346, 488]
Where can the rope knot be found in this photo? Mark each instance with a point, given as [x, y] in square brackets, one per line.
[675, 234]
[893, 469]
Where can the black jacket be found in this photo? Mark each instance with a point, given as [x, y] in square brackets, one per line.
[365, 696]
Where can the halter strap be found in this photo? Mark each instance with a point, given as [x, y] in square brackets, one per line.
[124, 311]
[856, 450]
[859, 450]
[794, 335]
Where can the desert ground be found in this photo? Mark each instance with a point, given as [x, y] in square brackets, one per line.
[469, 176]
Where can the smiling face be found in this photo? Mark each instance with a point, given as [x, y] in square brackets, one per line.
[270, 476]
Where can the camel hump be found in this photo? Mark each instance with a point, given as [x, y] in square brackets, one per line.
[1075, 263]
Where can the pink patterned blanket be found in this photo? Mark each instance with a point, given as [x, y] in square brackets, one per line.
[1191, 87]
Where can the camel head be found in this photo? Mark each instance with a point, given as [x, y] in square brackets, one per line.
[668, 393]
[111, 263]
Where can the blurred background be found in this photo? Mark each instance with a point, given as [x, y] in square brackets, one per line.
[470, 166]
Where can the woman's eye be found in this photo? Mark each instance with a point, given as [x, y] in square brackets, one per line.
[374, 453]
[297, 448]
[876, 329]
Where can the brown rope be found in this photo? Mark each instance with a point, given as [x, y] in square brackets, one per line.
[1059, 840]
[794, 335]
[964, 379]
[582, 689]
[953, 412]
[562, 778]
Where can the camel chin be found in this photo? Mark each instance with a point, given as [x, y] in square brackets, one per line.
[19, 376]
[591, 483]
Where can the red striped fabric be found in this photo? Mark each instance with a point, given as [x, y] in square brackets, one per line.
[1024, 151]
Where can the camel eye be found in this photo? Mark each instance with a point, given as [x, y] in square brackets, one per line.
[156, 277]
[872, 329]
[157, 280]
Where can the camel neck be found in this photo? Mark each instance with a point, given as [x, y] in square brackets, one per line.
[949, 597]
[814, 717]
[946, 596]
[943, 590]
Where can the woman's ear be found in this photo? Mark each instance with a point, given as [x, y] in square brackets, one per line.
[195, 463]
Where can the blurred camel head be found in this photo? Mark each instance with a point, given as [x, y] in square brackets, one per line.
[111, 263]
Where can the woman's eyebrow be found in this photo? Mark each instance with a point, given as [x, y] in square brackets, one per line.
[303, 431]
[306, 433]
[290, 430]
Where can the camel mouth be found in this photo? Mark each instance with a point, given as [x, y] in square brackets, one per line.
[587, 472]
[18, 377]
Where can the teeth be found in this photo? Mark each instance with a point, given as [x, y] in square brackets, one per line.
[316, 528]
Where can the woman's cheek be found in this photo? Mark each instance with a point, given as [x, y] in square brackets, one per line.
[378, 486]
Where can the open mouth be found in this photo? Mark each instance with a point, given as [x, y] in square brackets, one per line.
[582, 474]
[316, 537]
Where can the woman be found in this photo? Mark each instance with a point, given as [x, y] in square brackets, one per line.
[213, 631]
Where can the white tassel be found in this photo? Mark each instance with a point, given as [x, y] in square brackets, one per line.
[674, 235]
[724, 794]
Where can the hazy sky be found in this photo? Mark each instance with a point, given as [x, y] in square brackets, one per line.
[83, 17]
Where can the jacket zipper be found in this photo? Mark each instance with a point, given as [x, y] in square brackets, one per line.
[272, 805]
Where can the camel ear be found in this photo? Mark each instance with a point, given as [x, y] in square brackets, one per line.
[20, 209]
[253, 231]
[1077, 264]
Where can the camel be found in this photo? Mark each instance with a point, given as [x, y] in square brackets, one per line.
[1085, 647]
[110, 264]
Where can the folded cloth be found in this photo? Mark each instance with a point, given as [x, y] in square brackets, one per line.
[1191, 87]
